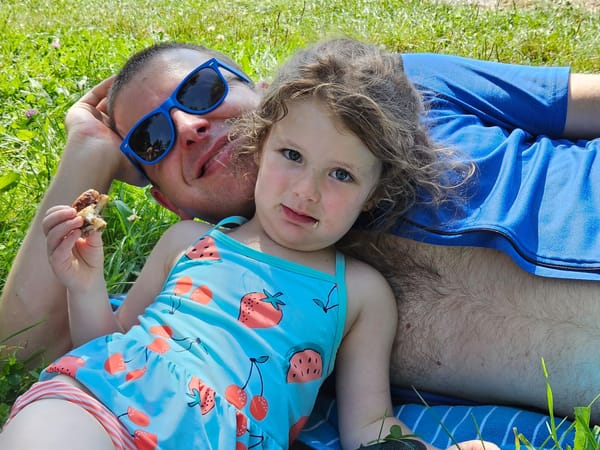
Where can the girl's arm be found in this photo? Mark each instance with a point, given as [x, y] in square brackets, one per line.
[156, 269]
[362, 365]
[78, 263]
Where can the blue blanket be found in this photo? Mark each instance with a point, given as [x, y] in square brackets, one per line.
[462, 421]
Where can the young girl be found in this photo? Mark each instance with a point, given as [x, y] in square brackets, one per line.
[229, 332]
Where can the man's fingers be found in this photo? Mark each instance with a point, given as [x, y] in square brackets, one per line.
[102, 105]
[97, 95]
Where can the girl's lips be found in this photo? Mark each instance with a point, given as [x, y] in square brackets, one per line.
[298, 217]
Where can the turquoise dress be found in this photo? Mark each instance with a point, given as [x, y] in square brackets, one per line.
[231, 354]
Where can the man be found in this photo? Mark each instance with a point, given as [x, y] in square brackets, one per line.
[473, 323]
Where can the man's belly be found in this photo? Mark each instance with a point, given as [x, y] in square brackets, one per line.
[473, 324]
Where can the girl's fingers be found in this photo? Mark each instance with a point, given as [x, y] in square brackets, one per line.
[60, 251]
[59, 224]
[58, 215]
[63, 236]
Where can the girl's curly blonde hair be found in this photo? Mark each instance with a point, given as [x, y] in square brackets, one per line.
[367, 91]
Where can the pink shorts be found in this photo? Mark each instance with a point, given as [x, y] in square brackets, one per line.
[119, 435]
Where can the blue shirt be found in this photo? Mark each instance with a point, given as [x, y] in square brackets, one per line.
[536, 196]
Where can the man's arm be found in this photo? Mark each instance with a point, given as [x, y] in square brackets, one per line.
[583, 110]
[32, 294]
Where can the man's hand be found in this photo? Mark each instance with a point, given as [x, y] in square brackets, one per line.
[88, 131]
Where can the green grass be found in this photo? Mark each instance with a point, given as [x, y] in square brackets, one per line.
[52, 51]
[587, 437]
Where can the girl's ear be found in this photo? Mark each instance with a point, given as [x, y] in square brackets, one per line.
[371, 202]
[374, 198]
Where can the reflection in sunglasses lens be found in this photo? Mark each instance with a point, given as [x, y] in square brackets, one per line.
[152, 137]
[202, 91]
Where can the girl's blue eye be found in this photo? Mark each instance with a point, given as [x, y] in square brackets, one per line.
[341, 175]
[292, 155]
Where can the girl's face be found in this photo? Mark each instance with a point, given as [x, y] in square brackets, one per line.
[197, 177]
[314, 178]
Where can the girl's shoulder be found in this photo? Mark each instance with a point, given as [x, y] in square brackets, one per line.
[359, 272]
[178, 237]
[186, 229]
[366, 286]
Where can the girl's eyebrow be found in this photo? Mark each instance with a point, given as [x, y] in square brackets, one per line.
[283, 140]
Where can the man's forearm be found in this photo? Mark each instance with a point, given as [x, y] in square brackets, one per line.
[583, 110]
[32, 295]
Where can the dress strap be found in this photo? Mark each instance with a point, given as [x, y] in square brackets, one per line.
[231, 220]
[342, 297]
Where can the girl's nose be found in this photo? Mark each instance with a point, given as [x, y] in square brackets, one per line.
[307, 187]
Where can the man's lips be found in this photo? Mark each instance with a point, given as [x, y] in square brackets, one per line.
[215, 158]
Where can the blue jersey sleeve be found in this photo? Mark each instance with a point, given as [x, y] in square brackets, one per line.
[533, 99]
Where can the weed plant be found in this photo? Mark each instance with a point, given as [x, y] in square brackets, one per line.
[52, 51]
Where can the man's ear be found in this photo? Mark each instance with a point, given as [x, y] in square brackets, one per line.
[164, 201]
[262, 85]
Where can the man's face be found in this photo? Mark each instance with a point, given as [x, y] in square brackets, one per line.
[197, 177]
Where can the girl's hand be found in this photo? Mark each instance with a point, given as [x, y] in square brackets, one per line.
[77, 262]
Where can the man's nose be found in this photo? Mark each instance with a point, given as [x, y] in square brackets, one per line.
[191, 128]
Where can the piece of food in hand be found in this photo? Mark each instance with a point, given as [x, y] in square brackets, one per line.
[89, 205]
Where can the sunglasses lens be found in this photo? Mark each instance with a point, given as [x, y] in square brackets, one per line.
[202, 91]
[151, 138]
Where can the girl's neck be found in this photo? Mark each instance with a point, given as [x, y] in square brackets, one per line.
[254, 236]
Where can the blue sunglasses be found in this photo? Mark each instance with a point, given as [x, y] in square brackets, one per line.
[200, 92]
